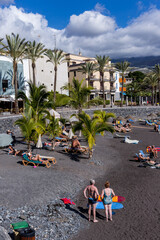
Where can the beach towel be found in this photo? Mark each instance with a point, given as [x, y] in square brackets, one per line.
[67, 201]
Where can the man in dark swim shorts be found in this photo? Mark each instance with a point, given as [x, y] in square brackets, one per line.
[92, 197]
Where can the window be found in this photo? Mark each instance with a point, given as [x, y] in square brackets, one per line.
[51, 84]
[74, 73]
[4, 85]
[50, 71]
[41, 70]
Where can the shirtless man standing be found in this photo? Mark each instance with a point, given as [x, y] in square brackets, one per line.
[93, 194]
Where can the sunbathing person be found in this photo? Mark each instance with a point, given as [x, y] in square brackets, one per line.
[150, 163]
[142, 158]
[75, 143]
[35, 158]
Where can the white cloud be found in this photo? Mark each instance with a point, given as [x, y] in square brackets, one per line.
[91, 31]
[90, 23]
[6, 2]
[140, 5]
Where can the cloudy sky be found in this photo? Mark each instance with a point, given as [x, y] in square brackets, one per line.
[126, 28]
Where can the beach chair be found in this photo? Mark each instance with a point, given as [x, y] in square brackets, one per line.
[50, 159]
[127, 140]
[26, 161]
[61, 139]
[149, 123]
[83, 149]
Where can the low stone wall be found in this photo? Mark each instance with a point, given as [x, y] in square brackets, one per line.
[138, 112]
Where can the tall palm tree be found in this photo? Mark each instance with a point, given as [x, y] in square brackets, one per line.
[16, 49]
[35, 51]
[122, 67]
[88, 68]
[102, 61]
[56, 57]
[78, 94]
[151, 80]
[90, 127]
[156, 70]
[102, 116]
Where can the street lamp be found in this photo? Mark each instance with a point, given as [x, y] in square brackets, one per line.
[131, 90]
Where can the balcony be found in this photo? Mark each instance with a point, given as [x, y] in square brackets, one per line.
[112, 79]
[112, 89]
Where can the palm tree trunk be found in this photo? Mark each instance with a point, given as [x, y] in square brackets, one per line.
[15, 85]
[104, 100]
[156, 95]
[122, 91]
[55, 81]
[88, 97]
[152, 95]
[33, 69]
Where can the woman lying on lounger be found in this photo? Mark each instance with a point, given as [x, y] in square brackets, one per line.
[35, 158]
[142, 158]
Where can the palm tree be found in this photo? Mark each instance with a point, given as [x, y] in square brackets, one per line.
[90, 127]
[151, 80]
[37, 100]
[122, 67]
[16, 49]
[77, 94]
[56, 57]
[35, 51]
[88, 68]
[27, 126]
[156, 70]
[102, 61]
[53, 128]
[102, 116]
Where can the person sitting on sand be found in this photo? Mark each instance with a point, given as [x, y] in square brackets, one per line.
[75, 143]
[13, 151]
[91, 193]
[107, 195]
[154, 151]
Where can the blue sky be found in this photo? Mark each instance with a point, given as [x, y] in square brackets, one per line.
[58, 12]
[126, 28]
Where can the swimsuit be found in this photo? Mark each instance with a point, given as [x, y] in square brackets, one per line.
[92, 201]
[107, 199]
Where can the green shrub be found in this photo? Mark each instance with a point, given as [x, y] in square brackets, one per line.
[107, 102]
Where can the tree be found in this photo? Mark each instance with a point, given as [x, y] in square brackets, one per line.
[56, 57]
[53, 128]
[102, 116]
[88, 68]
[77, 94]
[151, 81]
[101, 62]
[156, 70]
[90, 127]
[16, 49]
[27, 126]
[35, 51]
[122, 67]
[37, 100]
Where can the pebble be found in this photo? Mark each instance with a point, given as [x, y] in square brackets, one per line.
[50, 221]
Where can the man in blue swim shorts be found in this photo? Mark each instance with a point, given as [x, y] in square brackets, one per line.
[91, 193]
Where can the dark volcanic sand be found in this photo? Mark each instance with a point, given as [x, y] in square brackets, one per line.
[140, 218]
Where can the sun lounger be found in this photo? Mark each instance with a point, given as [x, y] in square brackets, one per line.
[50, 159]
[83, 149]
[60, 139]
[26, 161]
[120, 136]
[150, 123]
[127, 140]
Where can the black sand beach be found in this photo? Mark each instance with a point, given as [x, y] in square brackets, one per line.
[113, 161]
[140, 218]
